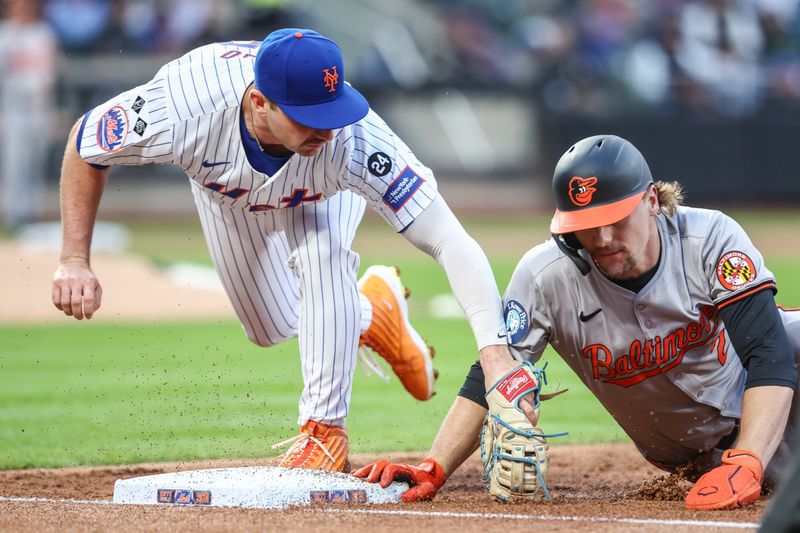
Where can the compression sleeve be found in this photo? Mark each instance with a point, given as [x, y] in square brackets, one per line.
[759, 337]
[438, 233]
[473, 388]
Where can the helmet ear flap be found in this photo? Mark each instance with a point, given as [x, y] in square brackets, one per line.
[570, 245]
[572, 241]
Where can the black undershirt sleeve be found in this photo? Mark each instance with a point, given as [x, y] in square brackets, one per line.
[473, 387]
[757, 333]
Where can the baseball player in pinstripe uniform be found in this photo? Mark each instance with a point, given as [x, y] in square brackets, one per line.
[667, 315]
[284, 156]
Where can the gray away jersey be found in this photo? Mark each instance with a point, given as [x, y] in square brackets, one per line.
[189, 114]
[659, 361]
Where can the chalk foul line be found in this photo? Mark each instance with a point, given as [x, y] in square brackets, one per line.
[447, 514]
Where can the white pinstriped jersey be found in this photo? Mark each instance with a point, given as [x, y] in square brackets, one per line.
[189, 115]
[660, 360]
[281, 243]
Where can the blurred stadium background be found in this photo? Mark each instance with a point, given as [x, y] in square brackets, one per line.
[487, 92]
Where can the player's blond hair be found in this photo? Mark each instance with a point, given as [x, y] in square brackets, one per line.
[670, 196]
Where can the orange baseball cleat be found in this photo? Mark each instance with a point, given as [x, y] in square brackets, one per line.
[391, 336]
[318, 447]
[734, 484]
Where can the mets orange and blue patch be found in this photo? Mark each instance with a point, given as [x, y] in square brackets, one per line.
[112, 129]
[735, 270]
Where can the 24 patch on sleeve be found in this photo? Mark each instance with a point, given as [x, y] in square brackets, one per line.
[735, 270]
[402, 189]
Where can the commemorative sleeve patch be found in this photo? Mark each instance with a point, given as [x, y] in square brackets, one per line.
[402, 189]
[138, 104]
[379, 164]
[140, 126]
[112, 129]
[735, 270]
[516, 321]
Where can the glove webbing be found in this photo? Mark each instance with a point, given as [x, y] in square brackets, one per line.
[497, 455]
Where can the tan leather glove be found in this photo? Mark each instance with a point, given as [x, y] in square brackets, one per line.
[513, 450]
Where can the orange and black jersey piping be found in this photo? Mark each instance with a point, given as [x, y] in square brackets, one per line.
[757, 333]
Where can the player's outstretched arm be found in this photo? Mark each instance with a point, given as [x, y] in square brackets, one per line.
[75, 289]
[457, 439]
[438, 233]
[757, 333]
[765, 411]
[738, 481]
[460, 434]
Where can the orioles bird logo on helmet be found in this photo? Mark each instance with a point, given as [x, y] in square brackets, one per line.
[581, 190]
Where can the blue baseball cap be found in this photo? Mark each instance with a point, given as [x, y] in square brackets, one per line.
[303, 73]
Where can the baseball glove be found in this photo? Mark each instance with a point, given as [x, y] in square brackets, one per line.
[513, 450]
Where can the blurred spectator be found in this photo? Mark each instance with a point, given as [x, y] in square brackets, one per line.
[141, 23]
[28, 54]
[263, 16]
[589, 57]
[479, 49]
[585, 57]
[188, 23]
[81, 25]
[605, 28]
[780, 20]
[652, 70]
[720, 49]
[167, 25]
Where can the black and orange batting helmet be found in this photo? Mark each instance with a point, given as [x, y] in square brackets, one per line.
[597, 182]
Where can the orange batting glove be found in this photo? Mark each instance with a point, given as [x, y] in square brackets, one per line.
[424, 479]
[734, 484]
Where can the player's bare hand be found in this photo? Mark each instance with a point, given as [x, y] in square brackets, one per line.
[76, 290]
[526, 404]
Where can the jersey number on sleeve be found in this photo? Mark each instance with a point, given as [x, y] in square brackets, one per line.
[379, 164]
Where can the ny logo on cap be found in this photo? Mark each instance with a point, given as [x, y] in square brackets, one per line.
[581, 190]
[331, 80]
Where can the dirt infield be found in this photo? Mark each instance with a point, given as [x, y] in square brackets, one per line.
[594, 487]
[134, 290]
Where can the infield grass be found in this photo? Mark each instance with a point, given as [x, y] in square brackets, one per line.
[110, 393]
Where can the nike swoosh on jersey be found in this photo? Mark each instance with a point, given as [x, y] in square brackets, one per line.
[206, 164]
[586, 318]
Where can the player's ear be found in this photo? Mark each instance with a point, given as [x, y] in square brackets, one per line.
[259, 102]
[651, 197]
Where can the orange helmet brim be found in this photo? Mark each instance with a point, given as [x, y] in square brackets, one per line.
[594, 217]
